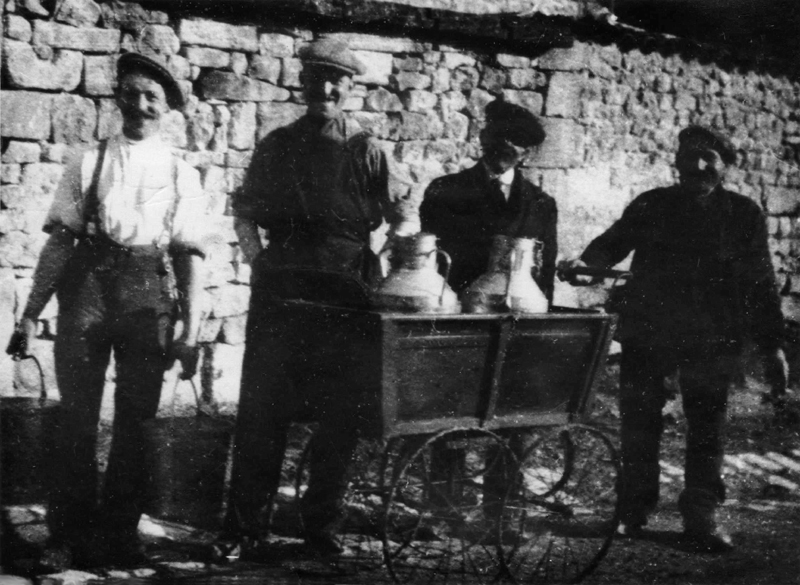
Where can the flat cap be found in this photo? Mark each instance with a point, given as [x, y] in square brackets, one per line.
[717, 141]
[332, 53]
[136, 62]
[517, 124]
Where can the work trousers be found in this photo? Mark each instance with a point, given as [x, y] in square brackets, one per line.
[288, 376]
[111, 299]
[705, 373]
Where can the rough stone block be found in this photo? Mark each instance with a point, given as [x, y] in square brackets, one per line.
[200, 126]
[477, 102]
[26, 70]
[410, 80]
[452, 101]
[290, 73]
[382, 100]
[564, 95]
[129, 15]
[179, 67]
[526, 79]
[568, 59]
[379, 67]
[414, 126]
[10, 174]
[440, 80]
[109, 119]
[783, 201]
[464, 79]
[408, 63]
[18, 28]
[456, 126]
[276, 45]
[239, 63]
[26, 114]
[532, 100]
[158, 40]
[493, 79]
[229, 86]
[22, 152]
[513, 61]
[455, 60]
[266, 68]
[100, 74]
[40, 181]
[208, 33]
[242, 128]
[62, 36]
[207, 57]
[276, 115]
[364, 42]
[419, 100]
[238, 159]
[563, 147]
[81, 13]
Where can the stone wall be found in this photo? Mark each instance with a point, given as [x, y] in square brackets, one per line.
[612, 108]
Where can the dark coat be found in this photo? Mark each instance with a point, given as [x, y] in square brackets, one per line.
[466, 212]
[701, 274]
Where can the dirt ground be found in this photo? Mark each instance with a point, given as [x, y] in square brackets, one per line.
[762, 513]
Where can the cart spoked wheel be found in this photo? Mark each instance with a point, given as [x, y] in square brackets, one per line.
[441, 521]
[559, 521]
[360, 535]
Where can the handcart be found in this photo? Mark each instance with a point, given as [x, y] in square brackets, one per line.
[484, 467]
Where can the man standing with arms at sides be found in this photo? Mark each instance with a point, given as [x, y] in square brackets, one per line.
[126, 219]
[702, 283]
[319, 186]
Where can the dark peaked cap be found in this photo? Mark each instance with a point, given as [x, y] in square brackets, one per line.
[332, 53]
[517, 124]
[130, 62]
[719, 142]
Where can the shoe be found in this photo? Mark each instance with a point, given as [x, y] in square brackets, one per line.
[322, 543]
[715, 541]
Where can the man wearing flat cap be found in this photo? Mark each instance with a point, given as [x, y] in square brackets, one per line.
[467, 209]
[125, 225]
[318, 187]
[702, 284]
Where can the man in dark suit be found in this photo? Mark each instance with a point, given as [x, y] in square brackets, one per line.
[467, 209]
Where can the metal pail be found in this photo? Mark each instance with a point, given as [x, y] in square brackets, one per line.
[28, 428]
[188, 461]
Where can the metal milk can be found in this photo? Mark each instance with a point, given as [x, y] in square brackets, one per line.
[414, 284]
[508, 284]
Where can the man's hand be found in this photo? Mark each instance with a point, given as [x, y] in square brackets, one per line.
[189, 356]
[22, 339]
[776, 372]
[566, 271]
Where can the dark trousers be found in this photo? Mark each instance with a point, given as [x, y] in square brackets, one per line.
[111, 300]
[705, 374]
[287, 378]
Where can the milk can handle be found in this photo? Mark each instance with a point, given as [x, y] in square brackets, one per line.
[447, 264]
[512, 260]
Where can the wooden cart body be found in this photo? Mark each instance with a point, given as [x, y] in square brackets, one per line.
[424, 373]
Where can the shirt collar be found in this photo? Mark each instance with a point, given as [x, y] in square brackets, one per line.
[505, 179]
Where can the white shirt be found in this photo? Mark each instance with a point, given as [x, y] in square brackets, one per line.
[505, 180]
[137, 185]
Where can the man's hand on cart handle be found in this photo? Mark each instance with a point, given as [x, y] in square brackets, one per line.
[21, 341]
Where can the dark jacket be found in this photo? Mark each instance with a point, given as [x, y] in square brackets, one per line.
[465, 212]
[701, 274]
[319, 189]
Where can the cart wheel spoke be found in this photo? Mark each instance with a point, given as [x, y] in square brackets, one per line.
[439, 525]
[563, 514]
